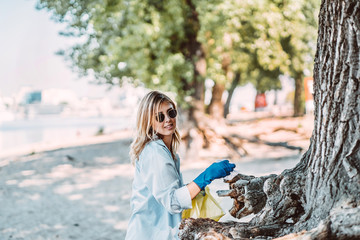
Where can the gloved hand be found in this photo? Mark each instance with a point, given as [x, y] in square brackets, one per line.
[216, 170]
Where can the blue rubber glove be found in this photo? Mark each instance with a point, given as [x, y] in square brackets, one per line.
[216, 170]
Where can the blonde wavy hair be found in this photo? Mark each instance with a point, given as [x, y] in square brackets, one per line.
[145, 119]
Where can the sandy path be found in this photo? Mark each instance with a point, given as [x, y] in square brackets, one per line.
[83, 192]
[49, 196]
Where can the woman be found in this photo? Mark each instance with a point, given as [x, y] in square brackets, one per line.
[158, 193]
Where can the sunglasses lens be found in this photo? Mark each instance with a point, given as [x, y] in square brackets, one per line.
[172, 113]
[160, 117]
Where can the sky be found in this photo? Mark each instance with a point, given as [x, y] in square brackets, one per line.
[28, 43]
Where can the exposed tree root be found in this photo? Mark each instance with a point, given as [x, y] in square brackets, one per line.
[274, 199]
[247, 194]
[205, 228]
[278, 205]
[342, 223]
[277, 197]
[191, 228]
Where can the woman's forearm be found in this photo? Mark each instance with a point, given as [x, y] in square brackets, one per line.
[194, 189]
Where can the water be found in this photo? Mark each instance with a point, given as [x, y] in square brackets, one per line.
[54, 129]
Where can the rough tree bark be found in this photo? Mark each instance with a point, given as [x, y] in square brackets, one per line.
[320, 197]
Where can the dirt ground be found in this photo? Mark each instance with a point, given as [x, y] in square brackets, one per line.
[82, 191]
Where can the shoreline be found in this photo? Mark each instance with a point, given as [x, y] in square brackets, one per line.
[75, 142]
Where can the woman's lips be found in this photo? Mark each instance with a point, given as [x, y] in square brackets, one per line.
[169, 127]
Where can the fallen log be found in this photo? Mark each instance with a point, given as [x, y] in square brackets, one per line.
[273, 144]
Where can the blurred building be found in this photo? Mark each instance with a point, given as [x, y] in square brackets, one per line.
[32, 97]
[29, 102]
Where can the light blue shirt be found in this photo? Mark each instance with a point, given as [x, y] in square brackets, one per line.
[158, 195]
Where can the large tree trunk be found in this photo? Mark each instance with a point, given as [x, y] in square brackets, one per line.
[320, 197]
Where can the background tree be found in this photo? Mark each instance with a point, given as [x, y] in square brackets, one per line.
[235, 49]
[149, 42]
[320, 197]
[257, 41]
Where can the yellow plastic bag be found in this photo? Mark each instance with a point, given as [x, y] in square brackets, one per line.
[204, 205]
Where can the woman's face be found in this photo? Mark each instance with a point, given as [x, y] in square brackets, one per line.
[168, 125]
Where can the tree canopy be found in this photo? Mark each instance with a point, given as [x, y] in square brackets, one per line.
[175, 45]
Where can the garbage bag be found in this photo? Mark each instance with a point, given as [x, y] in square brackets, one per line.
[204, 205]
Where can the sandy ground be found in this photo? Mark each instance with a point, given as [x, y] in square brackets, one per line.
[82, 190]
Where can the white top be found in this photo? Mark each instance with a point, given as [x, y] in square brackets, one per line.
[158, 195]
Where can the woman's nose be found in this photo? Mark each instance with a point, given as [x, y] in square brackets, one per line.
[167, 118]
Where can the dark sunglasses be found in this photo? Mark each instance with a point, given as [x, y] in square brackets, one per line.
[161, 117]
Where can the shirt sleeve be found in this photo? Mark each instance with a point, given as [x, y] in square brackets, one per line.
[159, 174]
